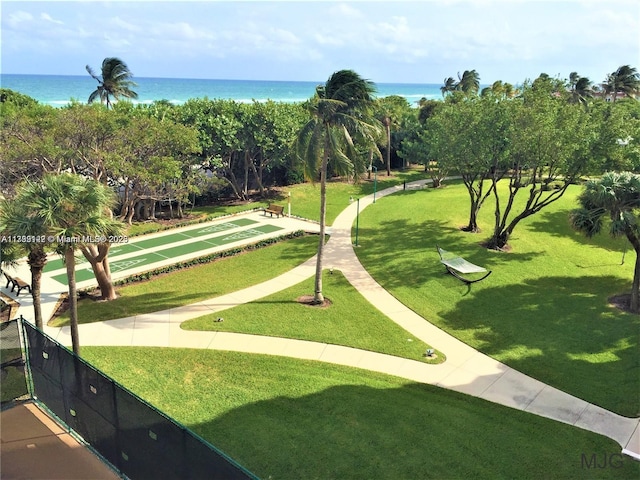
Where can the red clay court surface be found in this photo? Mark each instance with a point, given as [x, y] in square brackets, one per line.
[33, 446]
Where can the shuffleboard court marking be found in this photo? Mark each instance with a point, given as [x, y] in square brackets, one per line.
[174, 252]
[165, 240]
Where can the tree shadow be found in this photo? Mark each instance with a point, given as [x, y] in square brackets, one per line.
[413, 431]
[555, 329]
[557, 224]
[413, 254]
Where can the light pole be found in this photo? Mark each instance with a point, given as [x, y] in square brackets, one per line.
[375, 180]
[357, 216]
[289, 205]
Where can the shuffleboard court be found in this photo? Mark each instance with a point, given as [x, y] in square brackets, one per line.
[150, 257]
[125, 248]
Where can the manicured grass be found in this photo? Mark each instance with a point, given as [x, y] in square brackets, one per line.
[198, 283]
[305, 198]
[350, 320]
[290, 419]
[544, 309]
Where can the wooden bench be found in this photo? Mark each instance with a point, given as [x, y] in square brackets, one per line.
[277, 209]
[16, 282]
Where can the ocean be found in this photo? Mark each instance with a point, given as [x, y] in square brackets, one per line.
[59, 90]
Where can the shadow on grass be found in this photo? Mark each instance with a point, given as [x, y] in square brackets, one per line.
[538, 325]
[413, 254]
[415, 431]
[557, 224]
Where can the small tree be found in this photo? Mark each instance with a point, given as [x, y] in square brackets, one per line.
[71, 208]
[617, 196]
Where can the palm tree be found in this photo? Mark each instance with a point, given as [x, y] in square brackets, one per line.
[71, 208]
[616, 195]
[16, 219]
[115, 81]
[580, 88]
[625, 80]
[339, 113]
[449, 86]
[469, 82]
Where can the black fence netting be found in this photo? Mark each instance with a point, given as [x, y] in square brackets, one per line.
[13, 380]
[136, 438]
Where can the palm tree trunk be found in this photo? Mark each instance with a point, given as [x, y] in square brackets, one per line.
[70, 261]
[318, 297]
[37, 260]
[387, 126]
[635, 289]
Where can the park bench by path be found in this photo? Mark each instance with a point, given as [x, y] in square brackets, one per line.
[16, 282]
[277, 209]
[458, 266]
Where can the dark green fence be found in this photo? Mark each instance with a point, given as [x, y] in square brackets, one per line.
[13, 381]
[137, 439]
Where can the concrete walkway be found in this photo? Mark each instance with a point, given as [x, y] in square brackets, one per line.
[466, 370]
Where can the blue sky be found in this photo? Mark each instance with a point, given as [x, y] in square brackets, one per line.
[385, 41]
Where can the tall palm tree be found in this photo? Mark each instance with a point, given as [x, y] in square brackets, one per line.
[625, 79]
[16, 219]
[449, 86]
[616, 195]
[579, 88]
[71, 207]
[115, 81]
[469, 82]
[340, 112]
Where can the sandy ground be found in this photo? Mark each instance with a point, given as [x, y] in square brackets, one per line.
[33, 446]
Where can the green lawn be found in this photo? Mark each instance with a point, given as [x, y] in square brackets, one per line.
[290, 419]
[198, 283]
[543, 310]
[350, 320]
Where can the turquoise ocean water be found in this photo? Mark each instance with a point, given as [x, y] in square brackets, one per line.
[58, 90]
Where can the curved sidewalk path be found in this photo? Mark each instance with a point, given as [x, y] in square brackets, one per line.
[466, 370]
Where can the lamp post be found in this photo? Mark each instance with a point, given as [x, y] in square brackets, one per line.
[375, 180]
[289, 205]
[357, 216]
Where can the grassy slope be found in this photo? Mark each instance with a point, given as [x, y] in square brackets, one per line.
[291, 419]
[543, 310]
[350, 320]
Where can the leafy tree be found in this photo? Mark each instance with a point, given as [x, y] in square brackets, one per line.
[74, 208]
[616, 134]
[340, 112]
[625, 80]
[153, 157]
[390, 111]
[549, 145]
[461, 139]
[114, 81]
[617, 196]
[416, 148]
[28, 145]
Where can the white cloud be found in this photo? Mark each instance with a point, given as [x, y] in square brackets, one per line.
[48, 18]
[19, 17]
